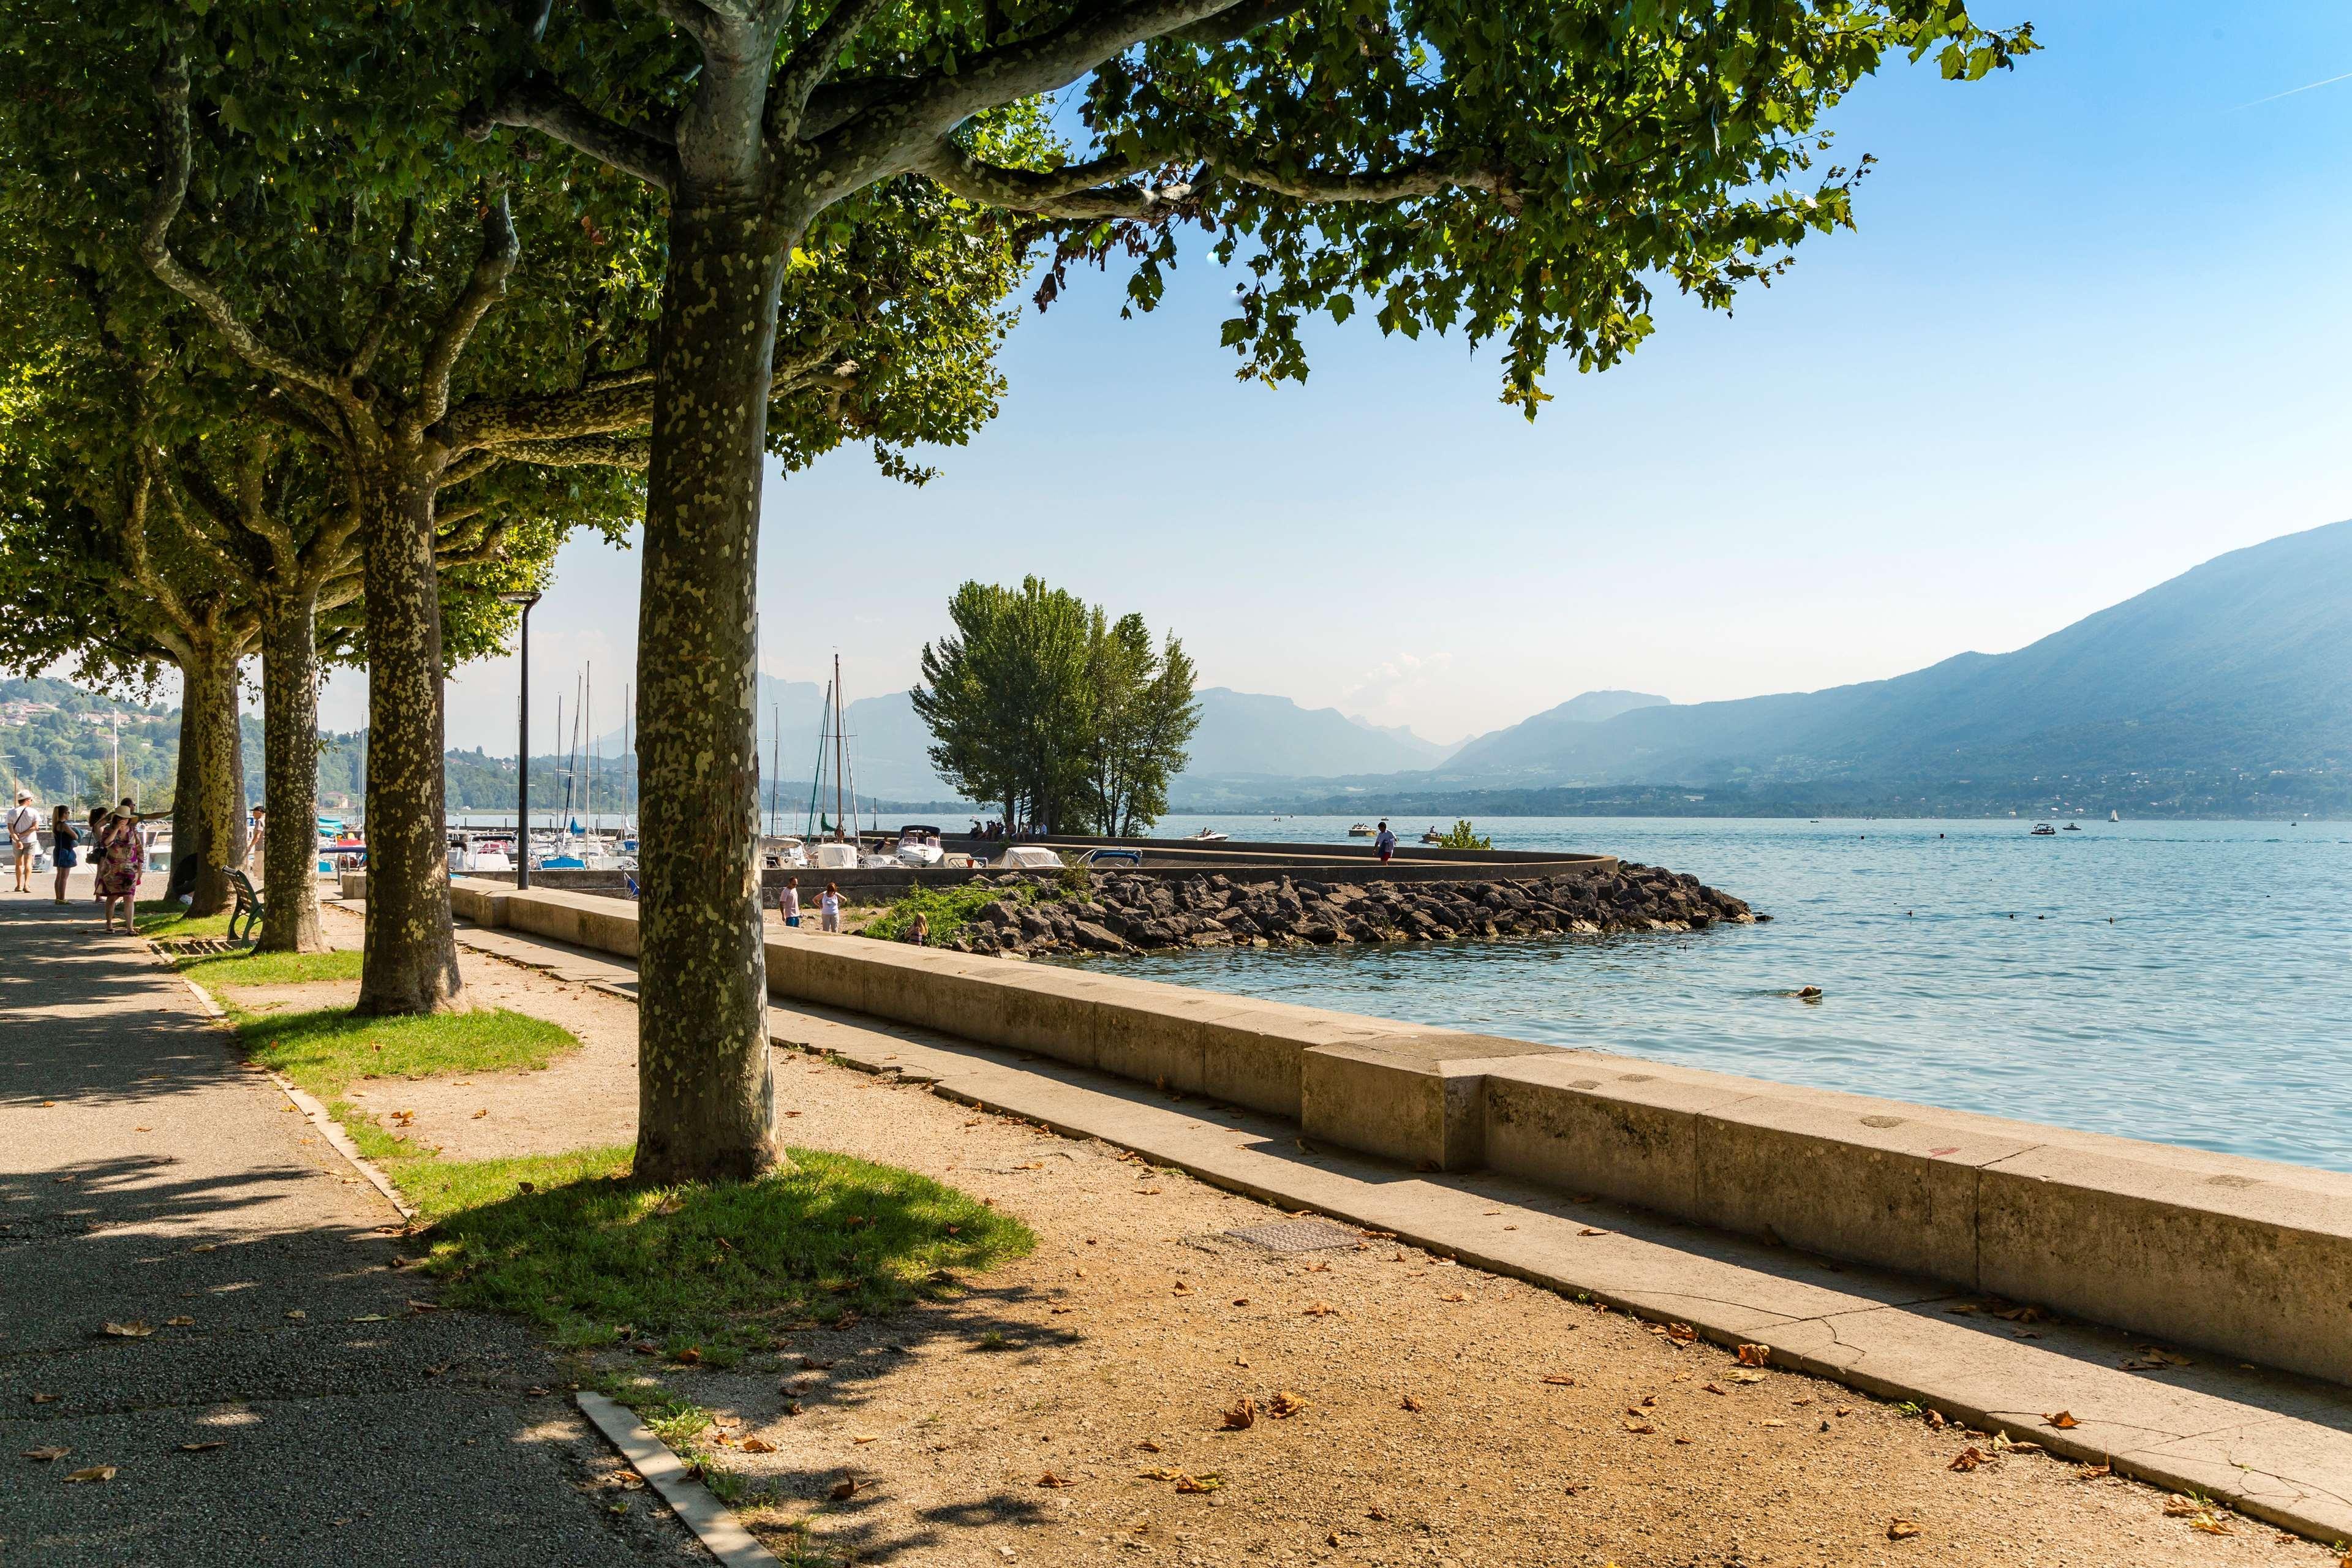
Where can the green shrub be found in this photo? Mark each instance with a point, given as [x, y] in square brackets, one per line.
[1462, 835]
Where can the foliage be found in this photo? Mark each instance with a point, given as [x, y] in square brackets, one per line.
[569, 1242]
[1072, 720]
[1461, 836]
[949, 910]
[328, 1050]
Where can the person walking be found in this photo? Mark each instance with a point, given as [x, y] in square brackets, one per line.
[64, 839]
[788, 902]
[119, 853]
[24, 822]
[1385, 844]
[828, 907]
[253, 858]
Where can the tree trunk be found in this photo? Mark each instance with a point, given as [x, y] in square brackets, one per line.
[411, 957]
[208, 811]
[704, 1100]
[290, 732]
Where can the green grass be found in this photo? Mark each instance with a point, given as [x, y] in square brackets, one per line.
[215, 970]
[569, 1242]
[327, 1050]
[165, 919]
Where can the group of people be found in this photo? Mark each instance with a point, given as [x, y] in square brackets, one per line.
[111, 839]
[828, 905]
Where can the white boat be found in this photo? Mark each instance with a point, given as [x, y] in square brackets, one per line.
[834, 856]
[783, 852]
[2043, 830]
[1206, 836]
[920, 846]
[1360, 830]
[2113, 817]
[1030, 858]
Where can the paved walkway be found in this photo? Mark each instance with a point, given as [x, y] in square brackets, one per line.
[2275, 1446]
[146, 1177]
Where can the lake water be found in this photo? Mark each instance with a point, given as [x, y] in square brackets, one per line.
[2187, 982]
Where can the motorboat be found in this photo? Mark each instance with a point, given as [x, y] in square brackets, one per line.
[470, 851]
[835, 855]
[1030, 858]
[776, 854]
[1206, 836]
[1360, 830]
[2072, 827]
[1432, 836]
[2043, 830]
[919, 845]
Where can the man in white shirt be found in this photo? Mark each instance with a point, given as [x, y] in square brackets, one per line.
[1385, 845]
[24, 822]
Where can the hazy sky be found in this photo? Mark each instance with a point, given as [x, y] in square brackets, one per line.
[2092, 329]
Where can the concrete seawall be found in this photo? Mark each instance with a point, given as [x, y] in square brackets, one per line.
[2244, 1256]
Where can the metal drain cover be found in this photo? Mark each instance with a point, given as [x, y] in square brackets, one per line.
[1297, 1235]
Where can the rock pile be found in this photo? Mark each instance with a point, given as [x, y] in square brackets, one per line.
[1129, 913]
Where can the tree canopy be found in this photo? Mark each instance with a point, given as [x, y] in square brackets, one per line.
[1074, 721]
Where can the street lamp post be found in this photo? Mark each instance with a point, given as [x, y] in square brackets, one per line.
[522, 743]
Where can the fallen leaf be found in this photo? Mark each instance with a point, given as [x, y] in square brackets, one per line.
[1590, 1231]
[1319, 1308]
[44, 1398]
[1050, 1480]
[95, 1473]
[1754, 1355]
[1284, 1405]
[1208, 1481]
[1968, 1460]
[1745, 1376]
[1716, 1388]
[2062, 1420]
[1901, 1529]
[2092, 1472]
[136, 1329]
[181, 1321]
[1148, 1447]
[44, 1456]
[843, 1491]
[1560, 1380]
[629, 1481]
[205, 1247]
[479, 1114]
[861, 1442]
[1410, 1402]
[1681, 1334]
[1935, 1419]
[298, 1314]
[1242, 1416]
[1453, 1296]
[1776, 1423]
[207, 1444]
[758, 1445]
[1639, 1427]
[2209, 1525]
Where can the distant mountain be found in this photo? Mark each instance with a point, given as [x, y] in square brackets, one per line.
[1531, 740]
[1245, 734]
[2243, 663]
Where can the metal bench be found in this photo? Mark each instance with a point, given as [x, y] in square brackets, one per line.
[249, 907]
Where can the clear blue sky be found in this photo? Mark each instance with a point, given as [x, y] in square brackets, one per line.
[2092, 329]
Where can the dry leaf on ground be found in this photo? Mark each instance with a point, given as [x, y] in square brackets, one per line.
[1901, 1529]
[1968, 1459]
[1560, 1380]
[205, 1447]
[44, 1456]
[1050, 1480]
[1284, 1405]
[1208, 1481]
[95, 1473]
[134, 1329]
[2062, 1420]
[1242, 1416]
[1320, 1309]
[1410, 1402]
[181, 1321]
[758, 1445]
[1754, 1355]
[843, 1491]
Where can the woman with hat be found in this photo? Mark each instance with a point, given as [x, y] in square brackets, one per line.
[120, 854]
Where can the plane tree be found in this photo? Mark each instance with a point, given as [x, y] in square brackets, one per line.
[1524, 172]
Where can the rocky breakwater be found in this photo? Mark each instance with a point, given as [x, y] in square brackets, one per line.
[1129, 914]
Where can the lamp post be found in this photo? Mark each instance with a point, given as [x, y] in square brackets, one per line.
[522, 743]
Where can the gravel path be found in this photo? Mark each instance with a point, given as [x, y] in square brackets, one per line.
[1450, 1418]
[280, 1398]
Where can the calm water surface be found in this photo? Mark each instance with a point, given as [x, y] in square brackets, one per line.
[2188, 982]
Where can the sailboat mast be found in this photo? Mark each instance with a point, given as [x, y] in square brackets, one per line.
[628, 764]
[588, 708]
[775, 760]
[838, 751]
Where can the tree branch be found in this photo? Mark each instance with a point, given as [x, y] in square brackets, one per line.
[170, 193]
[539, 105]
[812, 62]
[500, 250]
[1075, 192]
[609, 404]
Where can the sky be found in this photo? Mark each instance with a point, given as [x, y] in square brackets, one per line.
[2092, 330]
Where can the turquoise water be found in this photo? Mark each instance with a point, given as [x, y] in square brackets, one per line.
[2187, 982]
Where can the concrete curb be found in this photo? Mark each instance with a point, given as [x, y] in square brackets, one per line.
[712, 1523]
[320, 1118]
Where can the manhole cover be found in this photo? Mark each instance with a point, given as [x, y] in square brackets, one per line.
[1297, 1236]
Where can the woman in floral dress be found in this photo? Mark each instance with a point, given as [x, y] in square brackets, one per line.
[119, 854]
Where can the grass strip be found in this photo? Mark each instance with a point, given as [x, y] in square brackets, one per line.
[215, 970]
[169, 919]
[705, 1273]
[328, 1049]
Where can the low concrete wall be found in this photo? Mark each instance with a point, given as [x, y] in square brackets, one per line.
[2244, 1256]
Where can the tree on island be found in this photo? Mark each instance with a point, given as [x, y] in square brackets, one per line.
[1519, 170]
[1075, 722]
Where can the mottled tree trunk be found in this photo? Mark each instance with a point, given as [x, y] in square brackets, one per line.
[289, 731]
[705, 1109]
[208, 812]
[411, 957]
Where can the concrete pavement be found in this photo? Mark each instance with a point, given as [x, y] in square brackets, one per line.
[291, 1403]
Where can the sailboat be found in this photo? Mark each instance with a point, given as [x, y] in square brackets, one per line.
[2113, 817]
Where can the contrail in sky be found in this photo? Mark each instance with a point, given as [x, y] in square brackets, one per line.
[2290, 92]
